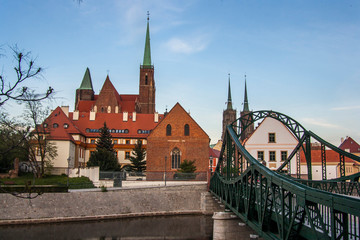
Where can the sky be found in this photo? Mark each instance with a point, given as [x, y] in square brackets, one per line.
[300, 57]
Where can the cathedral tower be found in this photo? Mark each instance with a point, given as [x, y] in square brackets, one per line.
[247, 115]
[147, 82]
[229, 114]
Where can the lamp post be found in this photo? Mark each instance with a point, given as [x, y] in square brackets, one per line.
[68, 170]
[165, 171]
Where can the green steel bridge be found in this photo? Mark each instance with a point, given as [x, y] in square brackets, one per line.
[278, 205]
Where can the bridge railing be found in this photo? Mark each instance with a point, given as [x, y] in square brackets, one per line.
[278, 207]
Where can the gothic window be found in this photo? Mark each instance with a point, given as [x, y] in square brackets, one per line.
[168, 130]
[175, 158]
[146, 80]
[186, 130]
[102, 109]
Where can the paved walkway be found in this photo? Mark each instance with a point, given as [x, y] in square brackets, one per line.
[143, 184]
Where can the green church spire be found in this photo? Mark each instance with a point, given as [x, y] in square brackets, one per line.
[229, 101]
[86, 82]
[246, 103]
[147, 53]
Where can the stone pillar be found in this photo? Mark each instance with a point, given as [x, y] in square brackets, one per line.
[228, 226]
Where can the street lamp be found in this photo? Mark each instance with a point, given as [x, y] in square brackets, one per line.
[165, 171]
[68, 170]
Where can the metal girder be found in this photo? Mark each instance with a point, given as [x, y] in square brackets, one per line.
[323, 161]
[277, 207]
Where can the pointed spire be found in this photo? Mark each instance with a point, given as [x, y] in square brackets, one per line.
[229, 101]
[147, 52]
[86, 82]
[246, 103]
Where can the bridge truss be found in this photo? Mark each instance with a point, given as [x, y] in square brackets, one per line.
[277, 205]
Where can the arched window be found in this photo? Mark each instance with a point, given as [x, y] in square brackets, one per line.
[175, 158]
[146, 80]
[186, 130]
[168, 130]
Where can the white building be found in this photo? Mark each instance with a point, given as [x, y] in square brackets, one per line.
[272, 142]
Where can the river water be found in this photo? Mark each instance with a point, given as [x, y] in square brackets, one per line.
[169, 227]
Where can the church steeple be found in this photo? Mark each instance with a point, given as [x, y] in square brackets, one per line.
[229, 101]
[146, 101]
[147, 52]
[246, 103]
[246, 114]
[229, 114]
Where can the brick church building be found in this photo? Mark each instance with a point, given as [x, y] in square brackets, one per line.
[130, 117]
[175, 139]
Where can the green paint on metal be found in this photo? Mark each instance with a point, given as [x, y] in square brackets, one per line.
[86, 82]
[277, 206]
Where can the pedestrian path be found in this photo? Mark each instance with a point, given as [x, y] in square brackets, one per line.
[143, 184]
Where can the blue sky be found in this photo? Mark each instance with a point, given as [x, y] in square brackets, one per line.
[301, 58]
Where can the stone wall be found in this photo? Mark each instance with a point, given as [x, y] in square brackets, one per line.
[76, 206]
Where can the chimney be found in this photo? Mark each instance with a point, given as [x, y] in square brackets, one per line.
[125, 116]
[342, 140]
[92, 115]
[134, 117]
[65, 110]
[156, 117]
[76, 115]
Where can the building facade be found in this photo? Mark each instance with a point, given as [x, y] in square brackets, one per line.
[175, 139]
[130, 117]
[272, 143]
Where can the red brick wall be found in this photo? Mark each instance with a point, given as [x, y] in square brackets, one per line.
[147, 90]
[192, 147]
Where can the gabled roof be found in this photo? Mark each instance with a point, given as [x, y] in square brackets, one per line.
[260, 126]
[351, 145]
[108, 88]
[60, 126]
[177, 108]
[214, 153]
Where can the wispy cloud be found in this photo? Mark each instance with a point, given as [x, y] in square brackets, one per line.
[345, 108]
[187, 46]
[320, 123]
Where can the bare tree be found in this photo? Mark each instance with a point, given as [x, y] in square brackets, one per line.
[41, 150]
[25, 69]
